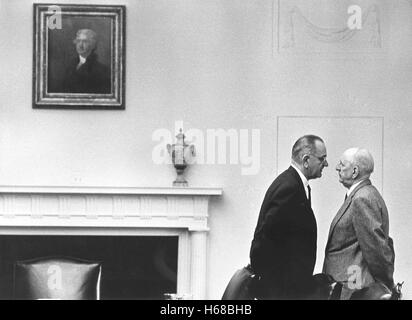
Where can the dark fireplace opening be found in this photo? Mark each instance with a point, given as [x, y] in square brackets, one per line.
[133, 267]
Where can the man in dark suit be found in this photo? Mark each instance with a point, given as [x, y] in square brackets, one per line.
[359, 251]
[283, 251]
[85, 74]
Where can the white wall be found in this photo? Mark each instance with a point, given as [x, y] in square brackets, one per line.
[211, 64]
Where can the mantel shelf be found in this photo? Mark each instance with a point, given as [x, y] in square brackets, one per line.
[107, 207]
[189, 191]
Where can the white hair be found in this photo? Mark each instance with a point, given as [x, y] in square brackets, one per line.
[363, 159]
[89, 33]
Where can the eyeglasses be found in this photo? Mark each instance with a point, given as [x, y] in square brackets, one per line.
[321, 159]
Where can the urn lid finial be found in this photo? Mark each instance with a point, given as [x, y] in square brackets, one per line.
[180, 137]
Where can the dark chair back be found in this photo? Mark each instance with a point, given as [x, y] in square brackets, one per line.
[57, 278]
[242, 285]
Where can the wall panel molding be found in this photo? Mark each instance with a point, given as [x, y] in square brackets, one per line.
[317, 26]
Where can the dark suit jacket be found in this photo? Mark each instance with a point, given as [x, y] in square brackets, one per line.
[283, 250]
[91, 77]
[359, 241]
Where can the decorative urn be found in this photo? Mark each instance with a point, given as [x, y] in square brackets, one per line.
[181, 154]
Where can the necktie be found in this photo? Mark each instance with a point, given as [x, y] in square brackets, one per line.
[309, 196]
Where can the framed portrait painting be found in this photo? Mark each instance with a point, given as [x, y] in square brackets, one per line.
[79, 56]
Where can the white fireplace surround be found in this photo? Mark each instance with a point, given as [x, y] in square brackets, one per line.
[117, 211]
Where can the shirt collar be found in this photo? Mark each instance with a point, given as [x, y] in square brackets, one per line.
[303, 178]
[82, 59]
[353, 187]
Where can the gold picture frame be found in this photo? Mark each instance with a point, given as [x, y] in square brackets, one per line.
[79, 56]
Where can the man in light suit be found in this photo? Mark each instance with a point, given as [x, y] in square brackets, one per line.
[359, 251]
[283, 251]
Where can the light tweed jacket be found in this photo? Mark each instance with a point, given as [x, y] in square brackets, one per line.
[359, 250]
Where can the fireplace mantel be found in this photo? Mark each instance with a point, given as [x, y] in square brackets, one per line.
[117, 211]
[106, 207]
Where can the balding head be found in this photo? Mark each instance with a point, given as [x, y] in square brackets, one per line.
[304, 145]
[309, 156]
[364, 160]
[355, 165]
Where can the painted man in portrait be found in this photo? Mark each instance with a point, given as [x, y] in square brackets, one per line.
[85, 73]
